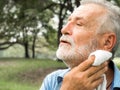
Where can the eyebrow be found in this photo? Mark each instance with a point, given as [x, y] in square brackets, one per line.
[77, 18]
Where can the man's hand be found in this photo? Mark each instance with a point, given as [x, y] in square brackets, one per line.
[84, 76]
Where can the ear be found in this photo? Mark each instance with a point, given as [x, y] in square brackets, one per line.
[109, 41]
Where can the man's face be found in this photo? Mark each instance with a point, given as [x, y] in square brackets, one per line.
[79, 37]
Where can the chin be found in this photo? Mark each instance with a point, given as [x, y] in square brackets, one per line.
[70, 60]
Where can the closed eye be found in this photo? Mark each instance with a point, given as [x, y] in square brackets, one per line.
[79, 24]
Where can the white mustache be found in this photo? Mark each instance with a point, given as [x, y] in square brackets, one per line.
[67, 39]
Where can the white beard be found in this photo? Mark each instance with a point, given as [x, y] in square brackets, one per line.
[73, 57]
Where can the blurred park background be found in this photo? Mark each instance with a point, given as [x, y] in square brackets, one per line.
[29, 36]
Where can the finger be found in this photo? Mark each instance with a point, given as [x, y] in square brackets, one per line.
[97, 82]
[86, 64]
[98, 74]
[95, 69]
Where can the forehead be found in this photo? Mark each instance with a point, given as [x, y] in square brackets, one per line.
[88, 11]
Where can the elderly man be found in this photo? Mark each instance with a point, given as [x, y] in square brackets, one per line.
[94, 25]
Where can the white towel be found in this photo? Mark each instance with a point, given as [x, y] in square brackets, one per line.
[100, 57]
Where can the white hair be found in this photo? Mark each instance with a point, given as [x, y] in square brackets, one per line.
[111, 21]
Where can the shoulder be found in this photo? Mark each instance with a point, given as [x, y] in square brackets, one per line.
[51, 80]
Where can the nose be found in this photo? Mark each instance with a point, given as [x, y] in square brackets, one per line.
[67, 29]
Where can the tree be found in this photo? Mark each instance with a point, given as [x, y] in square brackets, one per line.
[32, 17]
[6, 34]
[20, 23]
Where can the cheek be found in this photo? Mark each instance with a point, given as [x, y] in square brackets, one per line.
[100, 44]
[82, 38]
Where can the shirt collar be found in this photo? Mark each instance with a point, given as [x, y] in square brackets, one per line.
[61, 75]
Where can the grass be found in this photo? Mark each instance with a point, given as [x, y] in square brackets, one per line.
[16, 74]
[25, 74]
[8, 85]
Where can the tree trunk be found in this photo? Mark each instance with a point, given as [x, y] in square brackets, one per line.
[26, 46]
[60, 24]
[59, 29]
[33, 50]
[33, 46]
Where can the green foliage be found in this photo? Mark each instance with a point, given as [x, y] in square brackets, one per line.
[23, 21]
